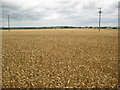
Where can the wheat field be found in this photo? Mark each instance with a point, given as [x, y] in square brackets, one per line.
[60, 58]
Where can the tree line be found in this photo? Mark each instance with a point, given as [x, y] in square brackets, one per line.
[57, 27]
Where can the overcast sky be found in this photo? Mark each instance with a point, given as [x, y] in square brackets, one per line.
[59, 12]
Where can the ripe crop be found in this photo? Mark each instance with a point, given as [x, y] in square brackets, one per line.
[60, 58]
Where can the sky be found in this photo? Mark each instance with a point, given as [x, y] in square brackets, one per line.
[39, 13]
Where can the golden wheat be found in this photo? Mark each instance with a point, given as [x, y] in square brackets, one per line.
[60, 58]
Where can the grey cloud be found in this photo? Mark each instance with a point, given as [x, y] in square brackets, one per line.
[89, 5]
[10, 6]
[18, 13]
[68, 8]
[111, 9]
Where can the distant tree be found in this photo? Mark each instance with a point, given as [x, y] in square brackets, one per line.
[90, 27]
[65, 27]
[114, 27]
[103, 27]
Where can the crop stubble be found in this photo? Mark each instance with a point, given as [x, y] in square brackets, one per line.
[60, 58]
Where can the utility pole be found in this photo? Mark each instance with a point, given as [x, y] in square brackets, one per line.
[8, 23]
[100, 12]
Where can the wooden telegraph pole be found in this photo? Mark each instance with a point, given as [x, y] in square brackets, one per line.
[8, 23]
[100, 12]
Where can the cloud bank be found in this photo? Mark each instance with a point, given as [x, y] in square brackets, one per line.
[59, 12]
